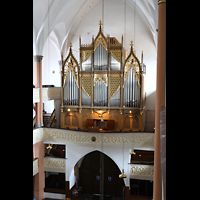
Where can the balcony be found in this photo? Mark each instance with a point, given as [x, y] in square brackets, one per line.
[48, 93]
[144, 172]
[141, 140]
[54, 164]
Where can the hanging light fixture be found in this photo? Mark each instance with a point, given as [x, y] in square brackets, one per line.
[132, 152]
[122, 175]
[49, 148]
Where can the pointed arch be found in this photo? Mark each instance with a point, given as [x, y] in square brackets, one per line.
[132, 61]
[98, 169]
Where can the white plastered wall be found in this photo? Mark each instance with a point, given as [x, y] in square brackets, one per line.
[75, 153]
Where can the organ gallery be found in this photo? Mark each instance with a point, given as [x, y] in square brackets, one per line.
[105, 91]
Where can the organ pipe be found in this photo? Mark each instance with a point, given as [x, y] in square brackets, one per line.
[131, 90]
[96, 59]
[70, 90]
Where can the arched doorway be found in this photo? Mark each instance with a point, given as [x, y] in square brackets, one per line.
[99, 177]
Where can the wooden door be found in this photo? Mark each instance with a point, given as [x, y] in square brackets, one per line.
[90, 176]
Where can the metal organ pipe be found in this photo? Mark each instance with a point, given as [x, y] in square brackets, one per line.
[74, 94]
[135, 94]
[69, 88]
[136, 83]
[73, 103]
[134, 87]
[72, 91]
[127, 91]
[102, 62]
[131, 88]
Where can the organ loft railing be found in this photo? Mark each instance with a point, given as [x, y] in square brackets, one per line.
[101, 81]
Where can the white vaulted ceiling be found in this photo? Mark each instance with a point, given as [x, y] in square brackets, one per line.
[56, 23]
[62, 17]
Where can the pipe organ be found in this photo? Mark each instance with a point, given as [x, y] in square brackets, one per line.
[106, 90]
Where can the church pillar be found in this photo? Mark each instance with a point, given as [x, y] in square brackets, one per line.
[159, 96]
[38, 84]
[39, 178]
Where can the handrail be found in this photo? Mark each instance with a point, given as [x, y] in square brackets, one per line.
[34, 107]
[34, 118]
[34, 121]
[52, 117]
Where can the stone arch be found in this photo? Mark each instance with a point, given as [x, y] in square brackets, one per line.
[78, 152]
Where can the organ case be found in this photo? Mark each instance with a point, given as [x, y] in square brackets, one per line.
[103, 82]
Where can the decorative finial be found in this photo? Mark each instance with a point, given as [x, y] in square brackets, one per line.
[70, 44]
[131, 43]
[100, 23]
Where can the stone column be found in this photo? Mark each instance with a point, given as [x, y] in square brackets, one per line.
[38, 84]
[159, 96]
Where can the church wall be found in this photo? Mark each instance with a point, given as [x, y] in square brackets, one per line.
[75, 153]
[79, 144]
[50, 65]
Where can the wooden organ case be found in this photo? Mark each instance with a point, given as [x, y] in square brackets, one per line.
[105, 91]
